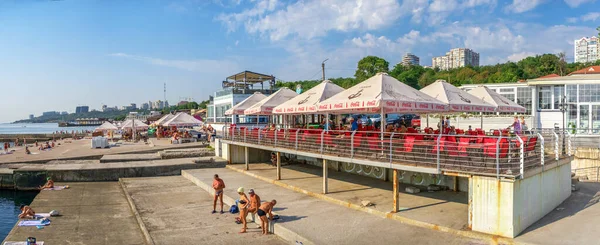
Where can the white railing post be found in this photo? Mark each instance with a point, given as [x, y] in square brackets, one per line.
[569, 144]
[352, 144]
[498, 157]
[542, 156]
[437, 145]
[223, 132]
[297, 132]
[276, 133]
[521, 156]
[391, 151]
[322, 140]
[245, 132]
[556, 151]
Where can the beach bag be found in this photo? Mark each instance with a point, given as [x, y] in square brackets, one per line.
[234, 209]
[54, 213]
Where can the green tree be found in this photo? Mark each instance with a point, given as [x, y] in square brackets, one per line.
[411, 76]
[369, 66]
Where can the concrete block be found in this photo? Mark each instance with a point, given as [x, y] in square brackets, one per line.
[412, 190]
[29, 180]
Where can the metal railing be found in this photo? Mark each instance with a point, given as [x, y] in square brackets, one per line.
[484, 154]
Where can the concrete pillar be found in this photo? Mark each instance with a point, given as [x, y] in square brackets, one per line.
[246, 158]
[386, 178]
[325, 186]
[228, 154]
[278, 165]
[395, 188]
[455, 185]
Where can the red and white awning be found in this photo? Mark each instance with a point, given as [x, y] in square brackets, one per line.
[457, 99]
[306, 102]
[502, 103]
[266, 105]
[245, 104]
[381, 92]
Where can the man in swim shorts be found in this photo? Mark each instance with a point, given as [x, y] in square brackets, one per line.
[49, 184]
[218, 185]
[262, 212]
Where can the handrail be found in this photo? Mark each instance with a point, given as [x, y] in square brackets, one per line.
[521, 156]
[542, 158]
[556, 152]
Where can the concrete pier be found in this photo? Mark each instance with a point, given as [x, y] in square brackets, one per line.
[92, 214]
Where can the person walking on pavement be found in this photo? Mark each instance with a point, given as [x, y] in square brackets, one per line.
[218, 185]
[254, 203]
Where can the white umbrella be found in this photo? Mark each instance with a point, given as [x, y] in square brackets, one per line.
[501, 103]
[381, 93]
[134, 124]
[457, 99]
[266, 105]
[306, 103]
[163, 119]
[107, 126]
[245, 104]
[183, 120]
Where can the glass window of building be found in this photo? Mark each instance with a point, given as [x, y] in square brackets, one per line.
[524, 98]
[571, 93]
[559, 92]
[545, 98]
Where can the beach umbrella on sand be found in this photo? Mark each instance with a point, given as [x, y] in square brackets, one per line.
[134, 124]
[182, 120]
[501, 103]
[163, 119]
[107, 126]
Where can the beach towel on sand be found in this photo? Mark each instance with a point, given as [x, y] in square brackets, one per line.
[56, 188]
[22, 243]
[32, 223]
[41, 215]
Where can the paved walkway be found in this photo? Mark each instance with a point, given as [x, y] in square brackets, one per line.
[93, 213]
[575, 221]
[321, 222]
[175, 211]
[443, 208]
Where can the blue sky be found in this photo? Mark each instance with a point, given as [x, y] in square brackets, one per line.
[55, 55]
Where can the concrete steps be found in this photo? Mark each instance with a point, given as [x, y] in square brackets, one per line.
[129, 157]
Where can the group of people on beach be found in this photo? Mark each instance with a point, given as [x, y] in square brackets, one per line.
[246, 205]
[26, 211]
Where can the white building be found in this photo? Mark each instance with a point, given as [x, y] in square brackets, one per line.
[587, 50]
[455, 58]
[543, 98]
[410, 59]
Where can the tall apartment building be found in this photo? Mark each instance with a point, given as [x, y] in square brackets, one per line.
[587, 49]
[455, 58]
[82, 109]
[410, 59]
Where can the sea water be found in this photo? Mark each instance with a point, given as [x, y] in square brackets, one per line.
[38, 128]
[10, 201]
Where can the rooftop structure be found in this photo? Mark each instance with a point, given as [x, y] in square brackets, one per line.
[82, 109]
[247, 79]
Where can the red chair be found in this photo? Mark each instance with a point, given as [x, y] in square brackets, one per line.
[462, 146]
[409, 145]
[496, 132]
[411, 130]
[530, 146]
[357, 140]
[374, 143]
[328, 141]
[489, 147]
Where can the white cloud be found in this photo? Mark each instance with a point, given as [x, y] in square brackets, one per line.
[593, 16]
[572, 20]
[232, 21]
[576, 3]
[199, 65]
[520, 6]
[314, 18]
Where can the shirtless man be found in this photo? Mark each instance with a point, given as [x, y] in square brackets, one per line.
[262, 212]
[26, 212]
[49, 184]
[254, 203]
[218, 185]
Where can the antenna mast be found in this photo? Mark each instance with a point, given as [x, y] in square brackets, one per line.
[165, 92]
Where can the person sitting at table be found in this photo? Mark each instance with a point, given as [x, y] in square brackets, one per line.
[390, 127]
[516, 126]
[403, 129]
[470, 129]
[447, 122]
[452, 131]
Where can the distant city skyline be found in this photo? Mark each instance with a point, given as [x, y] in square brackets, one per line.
[70, 53]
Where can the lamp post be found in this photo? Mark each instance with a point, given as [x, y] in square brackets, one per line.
[563, 108]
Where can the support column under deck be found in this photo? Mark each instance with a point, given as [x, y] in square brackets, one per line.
[395, 190]
[325, 186]
[246, 158]
[278, 165]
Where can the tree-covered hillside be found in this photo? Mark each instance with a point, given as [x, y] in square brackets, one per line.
[418, 76]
